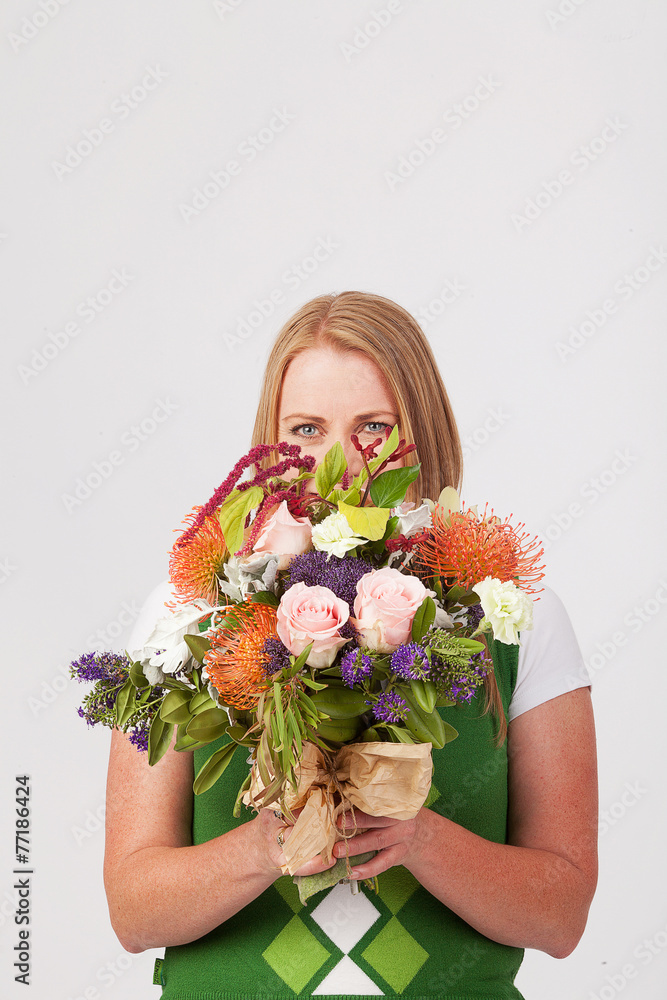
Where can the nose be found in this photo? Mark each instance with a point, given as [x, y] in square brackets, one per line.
[354, 460]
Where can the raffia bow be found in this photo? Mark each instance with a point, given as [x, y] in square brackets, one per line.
[382, 779]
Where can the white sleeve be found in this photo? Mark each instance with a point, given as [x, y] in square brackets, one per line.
[153, 608]
[550, 660]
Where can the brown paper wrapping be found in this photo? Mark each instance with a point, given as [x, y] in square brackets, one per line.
[382, 779]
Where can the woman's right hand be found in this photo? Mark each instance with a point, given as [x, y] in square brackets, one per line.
[269, 825]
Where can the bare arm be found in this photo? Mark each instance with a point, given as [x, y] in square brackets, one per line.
[161, 889]
[536, 890]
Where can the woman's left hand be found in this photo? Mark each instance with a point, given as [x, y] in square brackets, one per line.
[396, 840]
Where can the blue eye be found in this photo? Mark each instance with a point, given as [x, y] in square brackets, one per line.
[307, 430]
[376, 427]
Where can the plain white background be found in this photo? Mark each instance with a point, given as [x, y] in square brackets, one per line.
[141, 295]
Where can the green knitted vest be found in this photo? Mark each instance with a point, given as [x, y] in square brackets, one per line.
[400, 942]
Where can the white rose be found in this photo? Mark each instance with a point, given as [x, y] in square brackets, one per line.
[335, 536]
[411, 519]
[506, 609]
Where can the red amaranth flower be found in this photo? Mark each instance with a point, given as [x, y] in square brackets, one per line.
[194, 568]
[294, 460]
[463, 549]
[237, 662]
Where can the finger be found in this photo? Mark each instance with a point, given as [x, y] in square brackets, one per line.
[315, 866]
[370, 840]
[382, 862]
[346, 821]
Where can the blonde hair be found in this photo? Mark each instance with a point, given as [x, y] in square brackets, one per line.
[388, 335]
[392, 338]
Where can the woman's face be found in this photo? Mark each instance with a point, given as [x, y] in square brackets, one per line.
[327, 396]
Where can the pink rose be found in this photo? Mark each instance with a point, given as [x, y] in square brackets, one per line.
[386, 603]
[284, 535]
[312, 614]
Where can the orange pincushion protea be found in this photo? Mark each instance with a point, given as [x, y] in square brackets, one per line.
[194, 568]
[235, 662]
[464, 549]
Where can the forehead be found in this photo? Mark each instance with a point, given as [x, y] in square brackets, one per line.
[322, 375]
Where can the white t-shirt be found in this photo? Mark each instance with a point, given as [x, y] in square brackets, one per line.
[550, 661]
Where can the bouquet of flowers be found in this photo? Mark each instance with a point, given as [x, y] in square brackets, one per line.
[320, 622]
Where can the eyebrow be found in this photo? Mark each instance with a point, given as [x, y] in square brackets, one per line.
[360, 416]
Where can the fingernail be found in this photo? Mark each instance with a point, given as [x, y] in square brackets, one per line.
[355, 874]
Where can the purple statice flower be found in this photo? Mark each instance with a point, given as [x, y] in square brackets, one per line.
[100, 667]
[356, 666]
[138, 736]
[389, 707]
[277, 653]
[410, 662]
[316, 569]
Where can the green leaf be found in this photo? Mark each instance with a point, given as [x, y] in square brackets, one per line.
[137, 676]
[351, 496]
[450, 732]
[126, 703]
[423, 619]
[159, 738]
[390, 445]
[402, 735]
[265, 597]
[175, 707]
[214, 767]
[238, 734]
[234, 512]
[301, 658]
[187, 743]
[369, 522]
[236, 811]
[313, 685]
[200, 702]
[330, 470]
[198, 646]
[209, 725]
[390, 487]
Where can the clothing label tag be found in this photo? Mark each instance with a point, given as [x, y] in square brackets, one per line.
[157, 972]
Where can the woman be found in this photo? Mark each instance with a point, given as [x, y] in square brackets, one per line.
[505, 859]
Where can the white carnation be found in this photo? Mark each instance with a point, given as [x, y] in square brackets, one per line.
[506, 609]
[335, 536]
